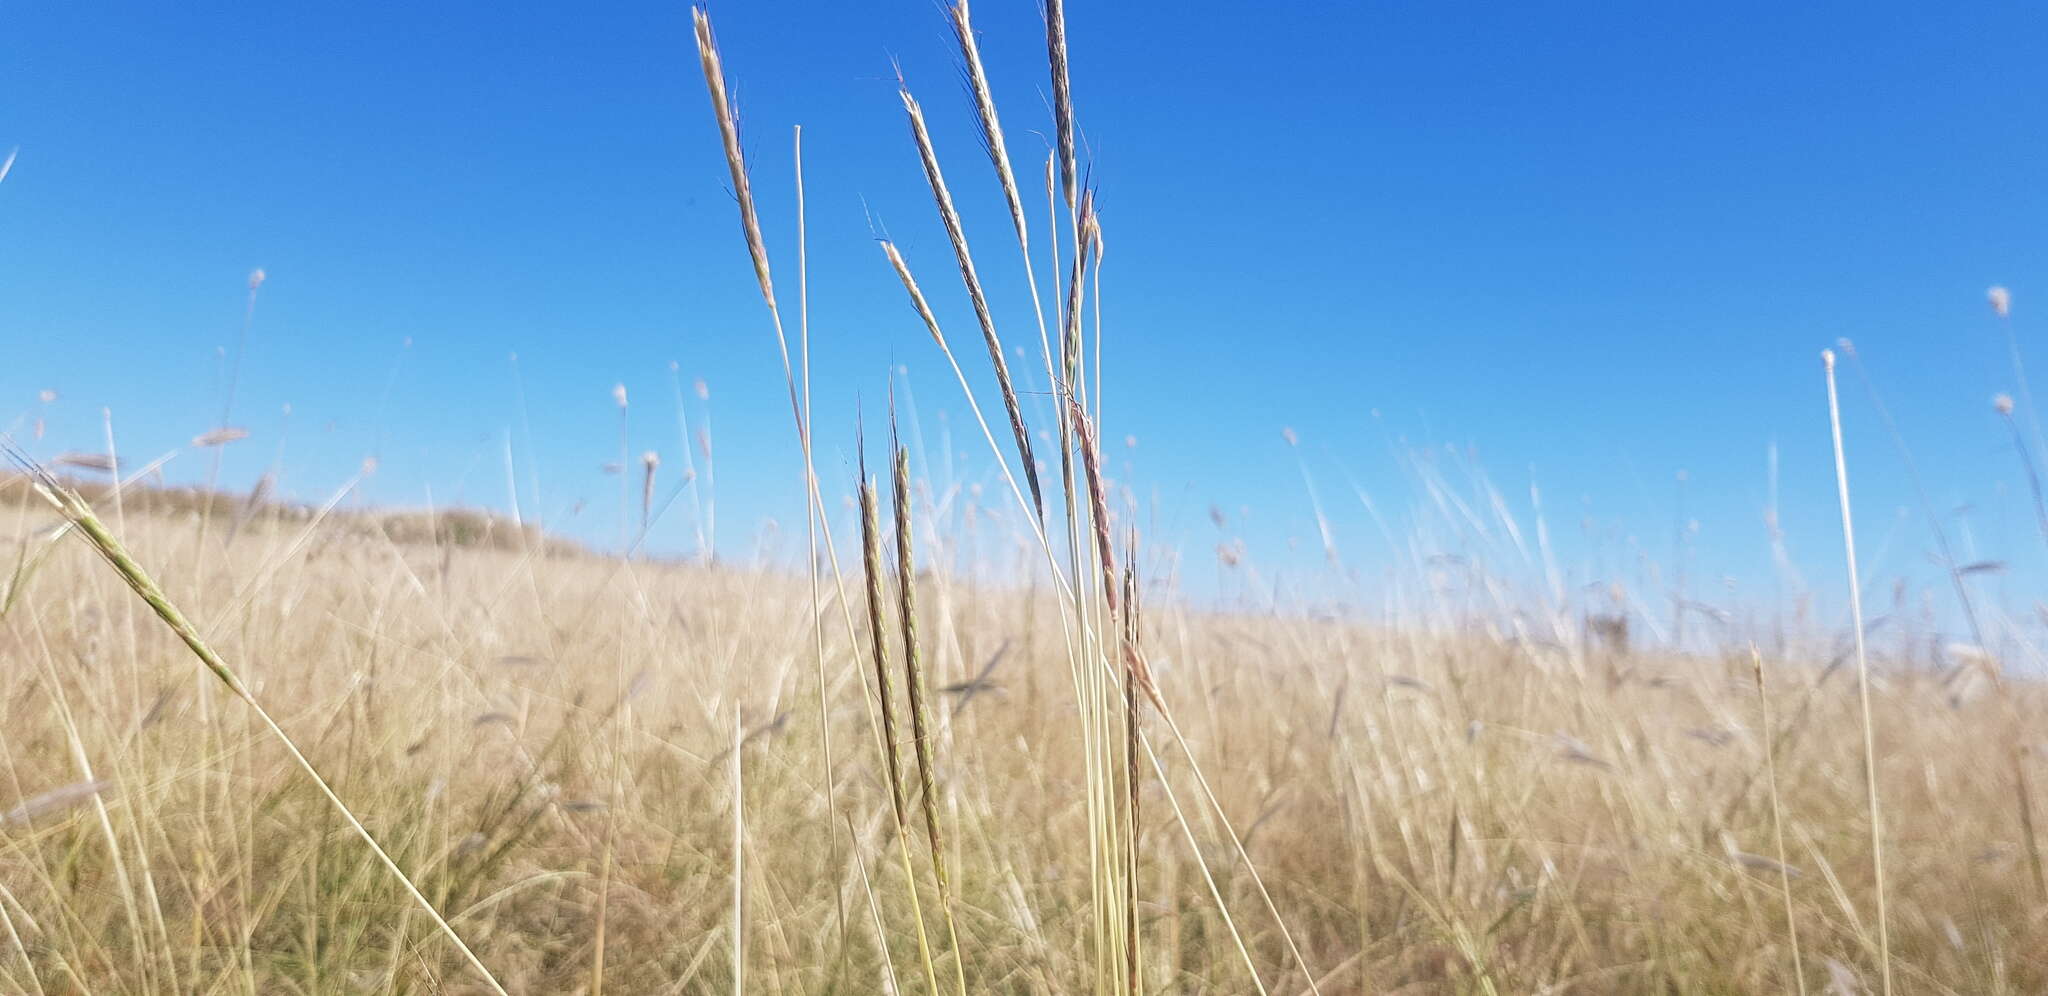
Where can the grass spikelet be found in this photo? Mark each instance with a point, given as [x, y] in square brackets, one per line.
[735, 160]
[1070, 329]
[219, 437]
[650, 461]
[871, 563]
[913, 687]
[917, 298]
[957, 235]
[98, 463]
[1091, 469]
[1062, 95]
[985, 116]
[55, 800]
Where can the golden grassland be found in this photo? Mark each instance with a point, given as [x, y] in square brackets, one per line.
[1470, 812]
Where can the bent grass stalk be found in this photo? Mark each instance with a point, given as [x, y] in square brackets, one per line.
[75, 510]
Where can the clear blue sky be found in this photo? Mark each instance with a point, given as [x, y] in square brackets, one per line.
[1598, 244]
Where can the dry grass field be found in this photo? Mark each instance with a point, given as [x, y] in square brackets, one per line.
[545, 743]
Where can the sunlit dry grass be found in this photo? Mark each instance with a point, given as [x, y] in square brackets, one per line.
[1475, 812]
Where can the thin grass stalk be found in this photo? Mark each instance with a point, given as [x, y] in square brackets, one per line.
[14, 933]
[2001, 306]
[227, 408]
[1122, 932]
[1949, 561]
[2003, 405]
[1134, 965]
[110, 549]
[608, 861]
[811, 524]
[1236, 840]
[867, 887]
[1862, 675]
[1208, 877]
[1056, 362]
[97, 799]
[957, 235]
[920, 720]
[625, 474]
[1763, 696]
[675, 385]
[2022, 789]
[1095, 304]
[750, 227]
[739, 861]
[526, 429]
[2025, 798]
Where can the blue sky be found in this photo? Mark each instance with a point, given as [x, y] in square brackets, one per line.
[1595, 245]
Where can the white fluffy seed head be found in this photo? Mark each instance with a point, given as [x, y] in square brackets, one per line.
[2002, 404]
[619, 394]
[2001, 301]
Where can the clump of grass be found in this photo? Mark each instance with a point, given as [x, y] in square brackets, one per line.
[110, 549]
